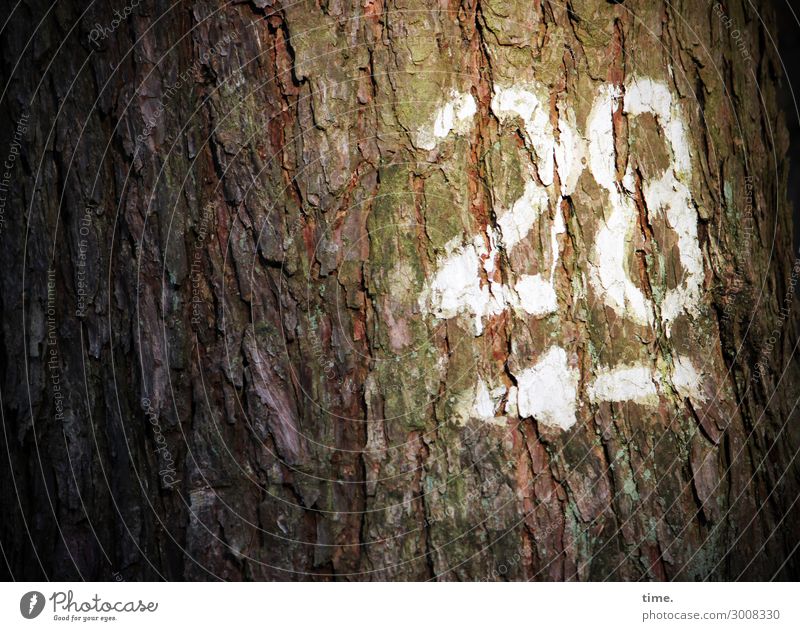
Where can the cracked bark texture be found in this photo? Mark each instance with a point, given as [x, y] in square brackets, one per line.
[254, 267]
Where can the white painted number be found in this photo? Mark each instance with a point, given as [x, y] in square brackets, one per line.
[548, 389]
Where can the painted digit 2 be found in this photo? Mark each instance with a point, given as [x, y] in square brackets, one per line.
[548, 389]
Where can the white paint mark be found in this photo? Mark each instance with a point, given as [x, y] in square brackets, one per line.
[565, 154]
[570, 151]
[456, 288]
[628, 383]
[484, 406]
[515, 101]
[647, 95]
[532, 293]
[516, 222]
[668, 194]
[457, 115]
[687, 381]
[535, 295]
[511, 401]
[637, 383]
[548, 390]
[607, 274]
[671, 195]
[600, 132]
[558, 227]
[481, 403]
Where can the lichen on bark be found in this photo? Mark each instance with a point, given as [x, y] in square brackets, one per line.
[326, 421]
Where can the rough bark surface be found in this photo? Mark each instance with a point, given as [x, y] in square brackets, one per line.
[256, 390]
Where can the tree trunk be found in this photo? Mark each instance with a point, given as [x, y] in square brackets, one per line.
[398, 290]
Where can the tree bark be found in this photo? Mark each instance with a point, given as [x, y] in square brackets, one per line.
[339, 290]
